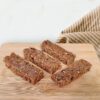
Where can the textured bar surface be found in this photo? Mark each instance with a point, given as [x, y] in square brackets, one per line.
[23, 68]
[58, 52]
[71, 73]
[42, 59]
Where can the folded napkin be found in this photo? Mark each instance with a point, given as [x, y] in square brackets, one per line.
[86, 30]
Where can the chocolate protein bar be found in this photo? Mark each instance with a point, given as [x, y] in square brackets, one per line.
[71, 73]
[23, 68]
[42, 60]
[58, 52]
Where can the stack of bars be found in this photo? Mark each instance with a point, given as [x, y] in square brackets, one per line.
[49, 59]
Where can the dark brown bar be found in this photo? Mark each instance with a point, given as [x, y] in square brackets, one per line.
[58, 52]
[71, 73]
[42, 60]
[23, 68]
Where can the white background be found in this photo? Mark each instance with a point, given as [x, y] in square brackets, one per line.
[36, 20]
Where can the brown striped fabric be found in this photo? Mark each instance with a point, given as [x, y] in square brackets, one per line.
[86, 30]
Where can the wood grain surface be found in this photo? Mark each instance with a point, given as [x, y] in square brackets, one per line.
[86, 87]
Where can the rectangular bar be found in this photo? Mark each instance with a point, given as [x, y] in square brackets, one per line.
[58, 52]
[71, 73]
[42, 60]
[23, 68]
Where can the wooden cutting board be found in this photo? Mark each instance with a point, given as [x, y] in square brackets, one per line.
[86, 87]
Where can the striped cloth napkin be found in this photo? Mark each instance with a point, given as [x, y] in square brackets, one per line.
[86, 30]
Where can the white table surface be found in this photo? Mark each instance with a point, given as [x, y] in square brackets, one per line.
[36, 20]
